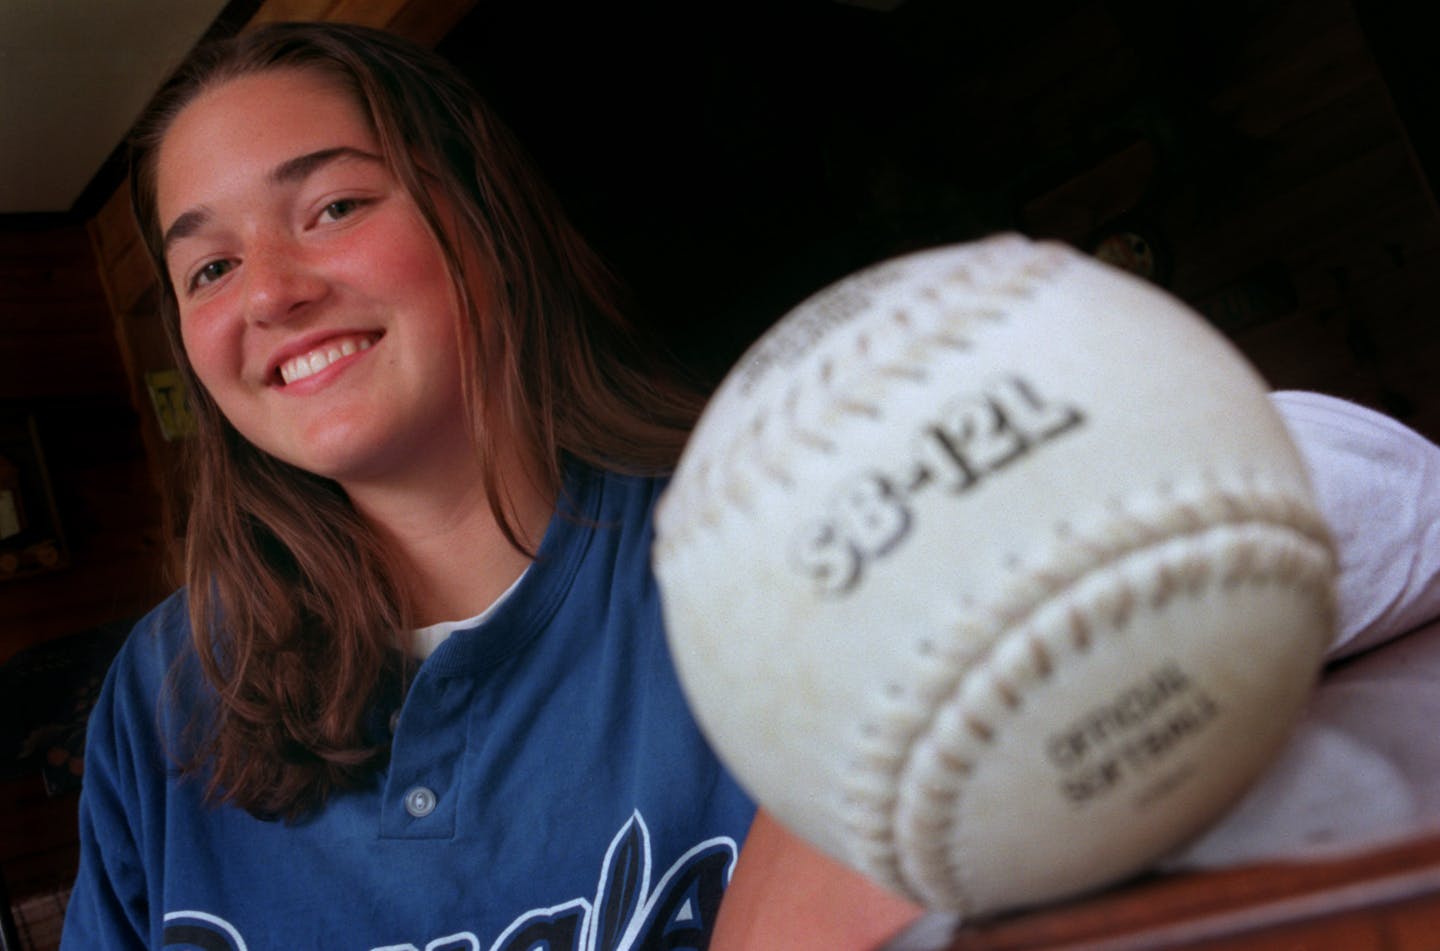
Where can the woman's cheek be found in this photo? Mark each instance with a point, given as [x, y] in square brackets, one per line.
[214, 353]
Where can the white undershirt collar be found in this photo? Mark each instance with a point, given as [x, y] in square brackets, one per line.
[425, 639]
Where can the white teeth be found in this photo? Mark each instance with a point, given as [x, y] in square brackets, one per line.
[309, 364]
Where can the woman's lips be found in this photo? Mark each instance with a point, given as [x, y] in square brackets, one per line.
[318, 358]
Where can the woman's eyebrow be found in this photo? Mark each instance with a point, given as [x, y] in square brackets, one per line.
[301, 166]
[184, 226]
[287, 172]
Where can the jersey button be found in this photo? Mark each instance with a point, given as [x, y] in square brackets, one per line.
[420, 802]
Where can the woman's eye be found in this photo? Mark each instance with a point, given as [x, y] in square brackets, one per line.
[210, 273]
[340, 209]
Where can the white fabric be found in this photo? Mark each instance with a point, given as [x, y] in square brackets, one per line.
[1378, 485]
[424, 640]
[1362, 770]
[1363, 767]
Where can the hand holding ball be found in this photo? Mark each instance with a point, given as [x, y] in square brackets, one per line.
[991, 572]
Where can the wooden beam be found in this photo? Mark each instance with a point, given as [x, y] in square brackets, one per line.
[421, 21]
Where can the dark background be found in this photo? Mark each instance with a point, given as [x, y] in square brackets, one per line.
[731, 159]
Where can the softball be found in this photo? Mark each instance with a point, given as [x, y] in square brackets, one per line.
[991, 572]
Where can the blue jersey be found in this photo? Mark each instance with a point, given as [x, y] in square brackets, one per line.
[547, 787]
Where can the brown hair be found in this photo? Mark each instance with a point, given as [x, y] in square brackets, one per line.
[295, 608]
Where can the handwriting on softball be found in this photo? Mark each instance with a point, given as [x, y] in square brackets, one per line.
[970, 440]
[1136, 734]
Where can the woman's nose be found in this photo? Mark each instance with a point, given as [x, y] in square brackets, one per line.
[280, 282]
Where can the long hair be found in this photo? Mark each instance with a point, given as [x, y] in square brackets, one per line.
[295, 606]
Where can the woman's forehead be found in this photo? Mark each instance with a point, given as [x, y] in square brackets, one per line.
[242, 129]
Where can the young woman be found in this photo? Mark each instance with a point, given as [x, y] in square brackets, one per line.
[415, 692]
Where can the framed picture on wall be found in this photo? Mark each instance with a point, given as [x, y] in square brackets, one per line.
[31, 540]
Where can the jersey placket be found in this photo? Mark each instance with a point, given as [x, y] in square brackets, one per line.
[431, 736]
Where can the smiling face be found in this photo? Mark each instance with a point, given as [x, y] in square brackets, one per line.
[315, 306]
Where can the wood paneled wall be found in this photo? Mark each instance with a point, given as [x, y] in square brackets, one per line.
[58, 359]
